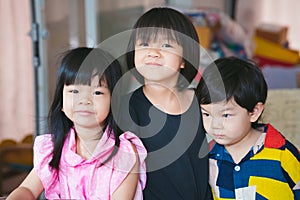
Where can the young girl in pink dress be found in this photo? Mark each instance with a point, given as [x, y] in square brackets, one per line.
[86, 156]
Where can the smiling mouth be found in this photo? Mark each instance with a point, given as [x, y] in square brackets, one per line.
[84, 112]
[152, 64]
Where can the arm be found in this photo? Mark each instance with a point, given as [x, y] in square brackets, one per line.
[290, 163]
[127, 189]
[31, 188]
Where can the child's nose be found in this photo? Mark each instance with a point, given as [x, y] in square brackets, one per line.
[85, 100]
[153, 52]
[217, 123]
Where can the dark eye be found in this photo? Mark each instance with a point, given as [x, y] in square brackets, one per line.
[205, 114]
[226, 115]
[74, 91]
[143, 44]
[166, 45]
[98, 93]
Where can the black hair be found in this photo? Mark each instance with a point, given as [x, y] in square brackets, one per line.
[79, 66]
[176, 27]
[236, 78]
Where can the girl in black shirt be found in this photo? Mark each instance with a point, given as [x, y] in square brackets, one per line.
[163, 53]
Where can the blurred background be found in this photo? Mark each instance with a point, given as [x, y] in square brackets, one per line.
[34, 33]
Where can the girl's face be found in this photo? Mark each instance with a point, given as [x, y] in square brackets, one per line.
[159, 60]
[227, 122]
[87, 105]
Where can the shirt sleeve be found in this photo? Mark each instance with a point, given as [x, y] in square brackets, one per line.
[125, 159]
[289, 162]
[43, 147]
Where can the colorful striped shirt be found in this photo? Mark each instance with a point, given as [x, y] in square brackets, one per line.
[271, 170]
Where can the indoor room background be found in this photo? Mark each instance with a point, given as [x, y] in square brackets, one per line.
[34, 33]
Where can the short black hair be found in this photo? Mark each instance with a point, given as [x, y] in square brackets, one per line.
[232, 77]
[176, 27]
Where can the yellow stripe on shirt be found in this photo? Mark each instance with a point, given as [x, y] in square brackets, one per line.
[291, 165]
[271, 189]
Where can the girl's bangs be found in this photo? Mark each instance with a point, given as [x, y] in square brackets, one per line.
[83, 76]
[147, 34]
[73, 77]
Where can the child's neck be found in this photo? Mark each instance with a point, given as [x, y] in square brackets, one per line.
[240, 149]
[86, 142]
[168, 100]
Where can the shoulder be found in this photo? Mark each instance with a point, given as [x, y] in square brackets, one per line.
[275, 139]
[132, 99]
[187, 98]
[43, 143]
[131, 153]
[276, 142]
[190, 92]
[131, 143]
[133, 107]
[134, 92]
[130, 148]
[136, 96]
[43, 147]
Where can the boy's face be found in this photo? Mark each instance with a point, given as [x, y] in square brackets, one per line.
[227, 122]
[159, 60]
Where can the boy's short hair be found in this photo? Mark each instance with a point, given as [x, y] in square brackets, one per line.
[232, 77]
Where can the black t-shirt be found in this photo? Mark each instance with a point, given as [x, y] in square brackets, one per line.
[177, 160]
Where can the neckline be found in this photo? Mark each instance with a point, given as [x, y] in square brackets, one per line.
[158, 109]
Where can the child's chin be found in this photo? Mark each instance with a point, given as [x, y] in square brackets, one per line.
[221, 141]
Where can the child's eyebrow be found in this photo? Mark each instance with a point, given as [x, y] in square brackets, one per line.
[222, 110]
[227, 109]
[102, 86]
[203, 109]
[169, 39]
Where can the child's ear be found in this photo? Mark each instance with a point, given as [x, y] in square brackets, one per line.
[182, 65]
[257, 111]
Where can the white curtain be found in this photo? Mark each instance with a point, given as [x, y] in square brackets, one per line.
[16, 81]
